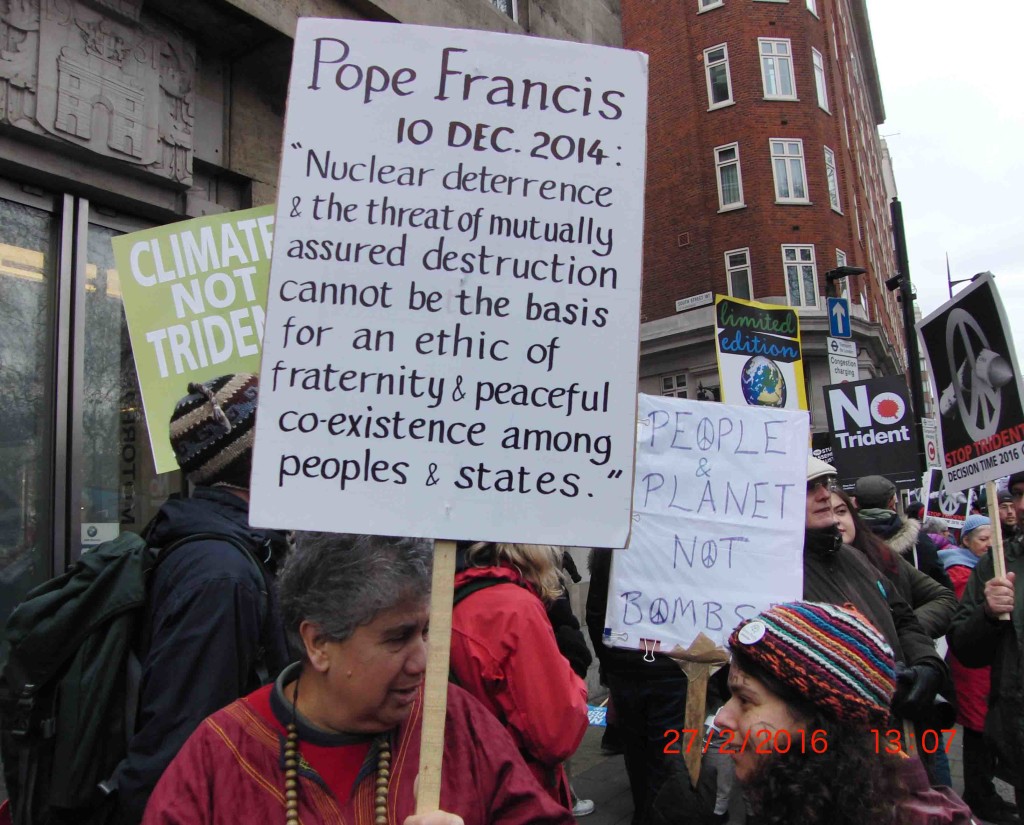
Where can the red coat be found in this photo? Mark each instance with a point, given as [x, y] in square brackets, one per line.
[971, 683]
[231, 772]
[504, 653]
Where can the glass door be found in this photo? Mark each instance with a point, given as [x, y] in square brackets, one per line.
[120, 489]
[29, 263]
[76, 466]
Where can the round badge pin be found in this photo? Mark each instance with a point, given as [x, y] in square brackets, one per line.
[752, 632]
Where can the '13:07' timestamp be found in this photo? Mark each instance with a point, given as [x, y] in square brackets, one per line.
[731, 742]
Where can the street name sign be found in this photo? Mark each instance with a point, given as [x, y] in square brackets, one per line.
[694, 301]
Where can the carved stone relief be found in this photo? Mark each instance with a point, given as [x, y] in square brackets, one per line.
[98, 74]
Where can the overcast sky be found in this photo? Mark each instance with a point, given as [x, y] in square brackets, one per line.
[952, 79]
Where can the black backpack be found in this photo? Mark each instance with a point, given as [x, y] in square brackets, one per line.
[69, 692]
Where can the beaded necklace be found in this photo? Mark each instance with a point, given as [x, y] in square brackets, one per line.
[291, 771]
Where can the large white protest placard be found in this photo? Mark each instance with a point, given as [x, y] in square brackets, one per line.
[719, 502]
[453, 313]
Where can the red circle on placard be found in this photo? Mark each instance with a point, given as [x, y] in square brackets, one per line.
[931, 450]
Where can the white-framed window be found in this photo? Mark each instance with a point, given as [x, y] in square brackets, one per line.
[789, 170]
[737, 273]
[819, 78]
[509, 7]
[801, 275]
[674, 385]
[842, 284]
[707, 5]
[832, 179]
[777, 69]
[727, 173]
[716, 70]
[812, 7]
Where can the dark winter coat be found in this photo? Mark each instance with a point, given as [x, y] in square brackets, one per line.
[908, 540]
[977, 641]
[933, 603]
[211, 610]
[568, 635]
[838, 574]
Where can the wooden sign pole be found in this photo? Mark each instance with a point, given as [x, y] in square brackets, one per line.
[435, 689]
[998, 559]
[698, 661]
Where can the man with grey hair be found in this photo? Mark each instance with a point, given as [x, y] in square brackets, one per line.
[337, 736]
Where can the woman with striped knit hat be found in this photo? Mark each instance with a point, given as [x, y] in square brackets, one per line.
[809, 721]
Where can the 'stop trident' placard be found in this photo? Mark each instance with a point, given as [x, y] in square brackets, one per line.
[452, 321]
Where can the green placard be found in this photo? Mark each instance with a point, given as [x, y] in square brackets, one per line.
[194, 296]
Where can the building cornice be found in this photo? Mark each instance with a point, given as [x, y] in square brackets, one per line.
[866, 46]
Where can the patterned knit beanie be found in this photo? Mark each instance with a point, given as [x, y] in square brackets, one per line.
[830, 655]
[212, 430]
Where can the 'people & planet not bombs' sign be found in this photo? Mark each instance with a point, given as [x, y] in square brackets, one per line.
[453, 313]
[718, 528]
[759, 356]
[194, 296]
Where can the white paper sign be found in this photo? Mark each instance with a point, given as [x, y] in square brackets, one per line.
[453, 314]
[719, 503]
[842, 368]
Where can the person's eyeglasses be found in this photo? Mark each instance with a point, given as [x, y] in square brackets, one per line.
[828, 483]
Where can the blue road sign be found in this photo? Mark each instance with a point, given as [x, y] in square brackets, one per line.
[839, 317]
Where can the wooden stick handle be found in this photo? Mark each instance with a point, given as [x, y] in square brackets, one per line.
[696, 707]
[998, 558]
[435, 689]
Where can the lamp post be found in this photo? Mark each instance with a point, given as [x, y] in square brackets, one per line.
[838, 273]
[907, 294]
[951, 283]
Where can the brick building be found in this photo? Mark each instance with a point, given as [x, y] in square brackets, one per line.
[765, 171]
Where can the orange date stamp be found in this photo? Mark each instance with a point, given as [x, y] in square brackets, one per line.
[928, 742]
[761, 742]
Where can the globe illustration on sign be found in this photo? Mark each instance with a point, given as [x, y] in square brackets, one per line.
[763, 383]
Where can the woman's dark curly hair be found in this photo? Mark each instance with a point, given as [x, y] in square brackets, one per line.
[849, 784]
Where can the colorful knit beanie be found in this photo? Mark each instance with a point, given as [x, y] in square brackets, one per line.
[212, 430]
[830, 655]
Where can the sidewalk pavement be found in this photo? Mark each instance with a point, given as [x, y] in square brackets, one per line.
[603, 779]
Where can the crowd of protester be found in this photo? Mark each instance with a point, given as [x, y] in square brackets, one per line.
[302, 701]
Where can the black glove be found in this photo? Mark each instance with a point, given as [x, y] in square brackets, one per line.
[916, 688]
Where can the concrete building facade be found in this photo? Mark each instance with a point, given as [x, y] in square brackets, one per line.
[117, 115]
[765, 172]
